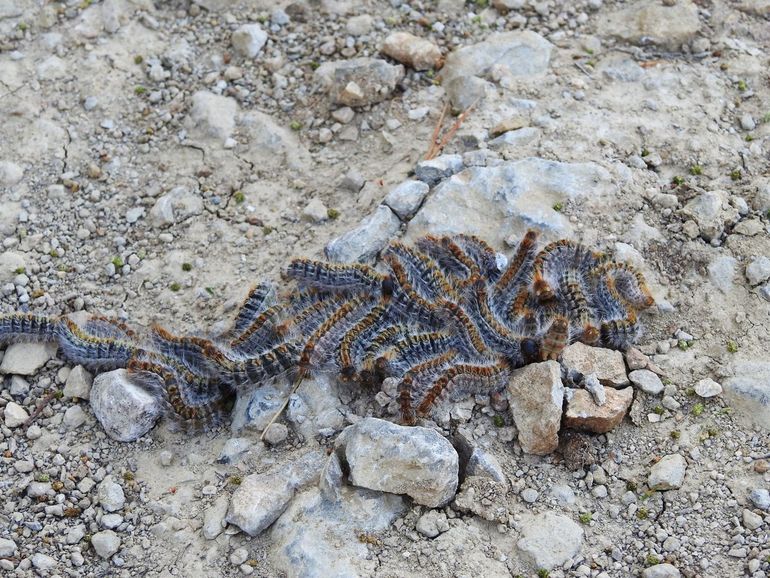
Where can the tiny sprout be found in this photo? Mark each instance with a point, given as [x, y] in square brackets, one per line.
[128, 476]
[175, 286]
[652, 560]
[140, 90]
[677, 180]
[697, 409]
[314, 65]
[295, 125]
[118, 262]
[558, 207]
[586, 518]
[54, 253]
[713, 432]
[631, 486]
[138, 59]
[676, 434]
[766, 117]
[20, 270]
[736, 175]
[732, 346]
[658, 410]
[23, 26]
[44, 478]
[239, 197]
[498, 421]
[332, 213]
[696, 170]
[742, 85]
[683, 345]
[645, 152]
[186, 266]
[210, 291]
[642, 513]
[267, 229]
[236, 480]
[749, 138]
[58, 394]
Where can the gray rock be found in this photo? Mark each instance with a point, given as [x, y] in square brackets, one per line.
[722, 272]
[668, 473]
[43, 562]
[529, 495]
[708, 388]
[747, 122]
[14, 415]
[406, 48]
[664, 24]
[314, 535]
[78, 384]
[484, 498]
[10, 173]
[620, 68]
[760, 497]
[748, 391]
[515, 138]
[758, 271]
[332, 479]
[751, 521]
[749, 227]
[359, 25]
[415, 461]
[647, 381]
[7, 548]
[495, 202]
[315, 211]
[708, 212]
[501, 58]
[365, 241]
[661, 571]
[360, 81]
[535, 395]
[316, 408]
[125, 411]
[106, 543]
[111, 521]
[276, 434]
[261, 498]
[607, 364]
[406, 198]
[175, 206]
[19, 386]
[212, 115]
[110, 495]
[249, 40]
[271, 145]
[548, 540]
[432, 523]
[10, 263]
[254, 409]
[27, 358]
[214, 518]
[74, 417]
[233, 450]
[584, 414]
[434, 170]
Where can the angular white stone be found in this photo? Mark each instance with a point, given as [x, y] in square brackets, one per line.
[668, 473]
[548, 540]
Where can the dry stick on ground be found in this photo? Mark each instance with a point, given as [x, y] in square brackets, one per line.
[294, 389]
[39, 409]
[436, 145]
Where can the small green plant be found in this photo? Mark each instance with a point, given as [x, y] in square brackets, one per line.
[117, 261]
[696, 170]
[138, 59]
[658, 410]
[585, 518]
[19, 270]
[543, 573]
[210, 291]
[766, 117]
[175, 286]
[631, 485]
[129, 476]
[742, 86]
[645, 152]
[690, 391]
[677, 180]
[140, 90]
[675, 434]
[267, 229]
[295, 125]
[314, 65]
[712, 432]
[54, 253]
[186, 266]
[23, 26]
[498, 421]
[642, 513]
[697, 409]
[43, 478]
[732, 346]
[239, 197]
[58, 394]
[652, 560]
[749, 137]
[683, 345]
[332, 213]
[558, 207]
[736, 175]
[482, 3]
[235, 480]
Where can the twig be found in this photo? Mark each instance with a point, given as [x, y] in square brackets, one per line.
[39, 409]
[436, 145]
[294, 389]
[432, 152]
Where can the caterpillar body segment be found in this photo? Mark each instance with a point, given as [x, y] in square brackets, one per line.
[27, 327]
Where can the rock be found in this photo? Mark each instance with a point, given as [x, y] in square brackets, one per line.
[476, 461]
[110, 495]
[14, 415]
[607, 364]
[749, 227]
[416, 52]
[653, 23]
[315, 535]
[529, 495]
[74, 417]
[548, 540]
[365, 241]
[360, 81]
[11, 263]
[432, 523]
[583, 414]
[668, 473]
[254, 409]
[647, 381]
[233, 450]
[748, 391]
[78, 383]
[592, 385]
[722, 272]
[514, 139]
[249, 40]
[510, 198]
[7, 548]
[707, 211]
[270, 144]
[125, 410]
[261, 498]
[708, 388]
[535, 394]
[415, 461]
[175, 206]
[758, 271]
[751, 521]
[43, 562]
[315, 211]
[483, 497]
[755, 7]
[316, 408]
[661, 571]
[212, 115]
[105, 543]
[214, 518]
[500, 58]
[406, 198]
[276, 434]
[760, 497]
[10, 173]
[434, 170]
[27, 358]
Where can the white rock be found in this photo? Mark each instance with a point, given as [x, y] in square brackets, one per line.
[548, 540]
[125, 411]
[110, 495]
[722, 272]
[14, 415]
[708, 388]
[276, 434]
[365, 241]
[359, 25]
[535, 395]
[434, 170]
[214, 518]
[10, 173]
[74, 417]
[175, 206]
[607, 364]
[315, 211]
[668, 473]
[647, 381]
[760, 497]
[661, 571]
[751, 521]
[359, 81]
[249, 40]
[43, 562]
[27, 358]
[212, 115]
[668, 24]
[747, 392]
[106, 543]
[432, 523]
[78, 384]
[7, 548]
[758, 271]
[415, 461]
[10, 263]
[419, 53]
[406, 198]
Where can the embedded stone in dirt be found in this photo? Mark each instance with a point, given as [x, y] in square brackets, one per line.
[27, 358]
[583, 414]
[668, 473]
[419, 53]
[606, 363]
[125, 410]
[548, 540]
